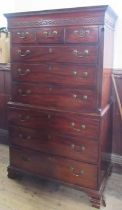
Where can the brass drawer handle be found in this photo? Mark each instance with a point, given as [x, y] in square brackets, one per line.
[84, 74]
[81, 54]
[84, 97]
[27, 52]
[78, 148]
[50, 34]
[23, 35]
[82, 127]
[82, 33]
[26, 93]
[74, 96]
[27, 71]
[25, 159]
[24, 118]
[74, 73]
[80, 173]
[73, 124]
[21, 136]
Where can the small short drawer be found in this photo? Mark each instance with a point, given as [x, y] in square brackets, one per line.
[59, 122]
[23, 36]
[56, 53]
[82, 34]
[66, 170]
[77, 148]
[50, 35]
[64, 74]
[53, 96]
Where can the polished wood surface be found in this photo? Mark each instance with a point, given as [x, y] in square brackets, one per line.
[63, 74]
[85, 150]
[53, 96]
[53, 53]
[81, 34]
[67, 170]
[59, 113]
[73, 124]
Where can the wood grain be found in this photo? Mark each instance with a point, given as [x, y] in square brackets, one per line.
[54, 53]
[51, 105]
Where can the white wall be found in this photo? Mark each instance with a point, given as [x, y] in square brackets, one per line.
[5, 7]
[31, 5]
[25, 5]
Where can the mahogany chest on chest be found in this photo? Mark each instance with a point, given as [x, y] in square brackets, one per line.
[59, 113]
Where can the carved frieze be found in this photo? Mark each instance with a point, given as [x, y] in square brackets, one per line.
[59, 22]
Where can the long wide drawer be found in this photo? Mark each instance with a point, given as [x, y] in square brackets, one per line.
[64, 74]
[55, 96]
[74, 148]
[60, 122]
[56, 53]
[66, 170]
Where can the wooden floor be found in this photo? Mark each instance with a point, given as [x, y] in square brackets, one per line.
[33, 194]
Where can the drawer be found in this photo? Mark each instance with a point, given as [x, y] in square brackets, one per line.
[78, 148]
[66, 170]
[42, 35]
[55, 96]
[65, 74]
[50, 35]
[56, 53]
[23, 36]
[62, 123]
[81, 34]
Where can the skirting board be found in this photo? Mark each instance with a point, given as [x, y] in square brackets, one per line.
[3, 136]
[117, 163]
[117, 159]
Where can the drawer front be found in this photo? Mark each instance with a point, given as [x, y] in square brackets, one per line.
[81, 34]
[58, 53]
[62, 169]
[50, 35]
[74, 148]
[42, 35]
[53, 96]
[62, 123]
[23, 36]
[65, 74]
